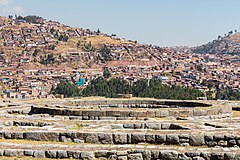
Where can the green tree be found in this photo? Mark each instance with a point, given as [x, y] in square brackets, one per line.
[106, 73]
[141, 88]
[98, 31]
[63, 37]
[67, 89]
[106, 53]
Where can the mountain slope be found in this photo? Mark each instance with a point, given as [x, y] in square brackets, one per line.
[45, 42]
[230, 44]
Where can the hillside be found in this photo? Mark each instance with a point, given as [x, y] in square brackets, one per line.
[43, 42]
[229, 44]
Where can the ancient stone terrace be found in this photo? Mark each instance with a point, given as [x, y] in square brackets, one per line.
[119, 129]
[132, 109]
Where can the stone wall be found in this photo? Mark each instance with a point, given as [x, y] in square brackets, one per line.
[140, 103]
[129, 138]
[121, 155]
[151, 125]
[98, 114]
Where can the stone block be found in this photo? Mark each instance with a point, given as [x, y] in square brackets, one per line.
[137, 126]
[116, 126]
[101, 154]
[232, 142]
[62, 154]
[169, 155]
[218, 137]
[122, 158]
[51, 154]
[193, 154]
[222, 143]
[208, 137]
[113, 113]
[196, 140]
[211, 143]
[146, 155]
[92, 138]
[182, 156]
[1, 135]
[172, 139]
[151, 114]
[7, 135]
[206, 155]
[161, 138]
[229, 156]
[183, 136]
[39, 154]
[150, 138]
[42, 136]
[154, 126]
[197, 112]
[217, 155]
[198, 158]
[165, 126]
[121, 153]
[186, 113]
[79, 135]
[138, 138]
[28, 152]
[87, 155]
[155, 154]
[77, 140]
[136, 156]
[64, 139]
[74, 154]
[17, 135]
[13, 153]
[125, 114]
[120, 138]
[174, 113]
[128, 126]
[105, 138]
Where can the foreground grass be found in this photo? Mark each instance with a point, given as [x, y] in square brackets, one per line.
[24, 141]
[236, 114]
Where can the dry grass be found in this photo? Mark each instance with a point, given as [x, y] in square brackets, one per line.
[236, 114]
[99, 40]
[35, 142]
[96, 41]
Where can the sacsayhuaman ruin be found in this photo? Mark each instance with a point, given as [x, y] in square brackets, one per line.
[120, 129]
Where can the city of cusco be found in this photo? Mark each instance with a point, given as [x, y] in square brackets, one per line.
[120, 80]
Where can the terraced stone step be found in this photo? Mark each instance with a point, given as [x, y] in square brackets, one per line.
[128, 138]
[99, 114]
[122, 152]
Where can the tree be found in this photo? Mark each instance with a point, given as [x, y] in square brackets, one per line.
[79, 44]
[112, 87]
[106, 73]
[35, 53]
[98, 31]
[106, 53]
[67, 89]
[88, 47]
[63, 37]
[107, 88]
